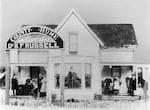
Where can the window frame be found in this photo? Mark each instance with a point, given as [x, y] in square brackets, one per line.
[73, 52]
[55, 75]
[72, 64]
[86, 74]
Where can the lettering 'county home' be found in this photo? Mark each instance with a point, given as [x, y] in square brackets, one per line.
[49, 33]
[19, 34]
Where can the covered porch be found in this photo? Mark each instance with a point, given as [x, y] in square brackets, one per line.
[121, 72]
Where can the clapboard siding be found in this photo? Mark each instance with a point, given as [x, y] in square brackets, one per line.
[33, 57]
[116, 56]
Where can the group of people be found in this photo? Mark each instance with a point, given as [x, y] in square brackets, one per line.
[131, 84]
[111, 86]
[140, 89]
[33, 86]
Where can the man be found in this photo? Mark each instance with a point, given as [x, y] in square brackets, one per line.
[133, 84]
[40, 82]
[14, 84]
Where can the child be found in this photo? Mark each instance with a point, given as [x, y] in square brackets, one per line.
[116, 86]
[139, 91]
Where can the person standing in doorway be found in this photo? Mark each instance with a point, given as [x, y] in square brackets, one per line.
[133, 84]
[116, 85]
[43, 87]
[14, 84]
[39, 82]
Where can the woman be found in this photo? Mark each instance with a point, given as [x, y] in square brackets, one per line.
[116, 86]
[43, 87]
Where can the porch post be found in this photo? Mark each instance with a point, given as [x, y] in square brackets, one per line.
[101, 69]
[7, 79]
[111, 70]
[62, 78]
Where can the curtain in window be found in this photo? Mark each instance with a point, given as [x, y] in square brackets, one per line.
[73, 75]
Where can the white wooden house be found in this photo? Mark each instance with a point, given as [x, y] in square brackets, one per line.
[94, 52]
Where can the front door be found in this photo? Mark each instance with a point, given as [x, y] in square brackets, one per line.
[37, 74]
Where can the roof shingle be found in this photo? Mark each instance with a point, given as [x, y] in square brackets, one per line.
[115, 35]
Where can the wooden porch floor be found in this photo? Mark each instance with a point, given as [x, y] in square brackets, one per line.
[120, 97]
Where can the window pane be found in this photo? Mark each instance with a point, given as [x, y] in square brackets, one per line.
[116, 71]
[73, 75]
[88, 72]
[140, 76]
[87, 81]
[57, 80]
[73, 42]
[88, 68]
[57, 75]
[57, 68]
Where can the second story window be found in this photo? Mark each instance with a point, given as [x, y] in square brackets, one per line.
[73, 42]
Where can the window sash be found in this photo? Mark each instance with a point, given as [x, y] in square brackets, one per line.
[73, 42]
[57, 80]
[57, 68]
[73, 80]
[88, 68]
[88, 75]
[87, 80]
[57, 74]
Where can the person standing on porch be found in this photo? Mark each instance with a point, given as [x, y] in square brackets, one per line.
[14, 84]
[133, 84]
[39, 82]
[145, 89]
[139, 91]
[43, 87]
[116, 85]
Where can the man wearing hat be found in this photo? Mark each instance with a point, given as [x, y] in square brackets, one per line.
[133, 84]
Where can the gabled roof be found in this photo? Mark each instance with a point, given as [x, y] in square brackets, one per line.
[112, 35]
[108, 35]
[73, 12]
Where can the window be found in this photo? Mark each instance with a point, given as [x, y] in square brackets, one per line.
[88, 72]
[73, 43]
[57, 75]
[140, 76]
[116, 71]
[73, 76]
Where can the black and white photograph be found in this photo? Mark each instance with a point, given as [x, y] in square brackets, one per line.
[74, 54]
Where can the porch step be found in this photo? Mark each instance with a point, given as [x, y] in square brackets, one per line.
[120, 97]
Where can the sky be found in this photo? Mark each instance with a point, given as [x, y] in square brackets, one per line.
[15, 13]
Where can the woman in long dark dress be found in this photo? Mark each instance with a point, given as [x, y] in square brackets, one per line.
[14, 84]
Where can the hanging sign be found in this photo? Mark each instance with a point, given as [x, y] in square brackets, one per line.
[13, 44]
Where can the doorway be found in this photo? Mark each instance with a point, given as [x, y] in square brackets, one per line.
[30, 80]
[37, 75]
